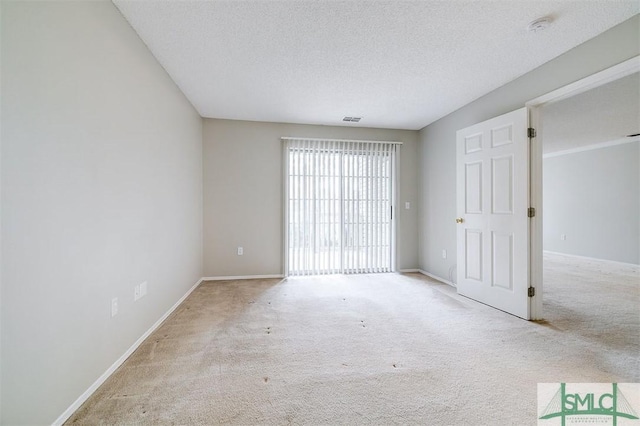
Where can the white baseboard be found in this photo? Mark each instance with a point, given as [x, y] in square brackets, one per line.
[78, 402]
[242, 277]
[437, 278]
[591, 258]
[408, 271]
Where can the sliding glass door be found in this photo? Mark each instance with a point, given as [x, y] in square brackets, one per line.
[339, 206]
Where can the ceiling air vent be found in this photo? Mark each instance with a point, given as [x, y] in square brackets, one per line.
[352, 119]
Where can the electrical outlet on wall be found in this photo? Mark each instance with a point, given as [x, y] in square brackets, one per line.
[240, 251]
[114, 307]
[444, 253]
[139, 291]
[563, 237]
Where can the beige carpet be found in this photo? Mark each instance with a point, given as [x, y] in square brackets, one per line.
[373, 349]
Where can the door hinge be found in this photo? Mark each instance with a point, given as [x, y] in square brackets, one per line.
[531, 132]
[531, 291]
[531, 212]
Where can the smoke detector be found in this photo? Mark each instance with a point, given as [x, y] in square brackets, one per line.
[539, 24]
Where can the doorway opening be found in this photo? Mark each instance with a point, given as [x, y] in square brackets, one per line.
[584, 178]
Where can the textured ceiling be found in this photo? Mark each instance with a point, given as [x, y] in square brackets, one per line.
[398, 64]
[604, 114]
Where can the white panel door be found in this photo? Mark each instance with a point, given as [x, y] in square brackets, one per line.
[492, 207]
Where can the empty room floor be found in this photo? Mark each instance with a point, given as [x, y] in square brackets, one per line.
[373, 349]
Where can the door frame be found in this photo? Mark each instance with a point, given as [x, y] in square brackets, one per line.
[535, 105]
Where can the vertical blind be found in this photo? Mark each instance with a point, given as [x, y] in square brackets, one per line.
[339, 200]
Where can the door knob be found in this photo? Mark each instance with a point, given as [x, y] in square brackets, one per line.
[459, 220]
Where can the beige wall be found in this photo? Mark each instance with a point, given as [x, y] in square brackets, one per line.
[243, 193]
[437, 145]
[101, 190]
